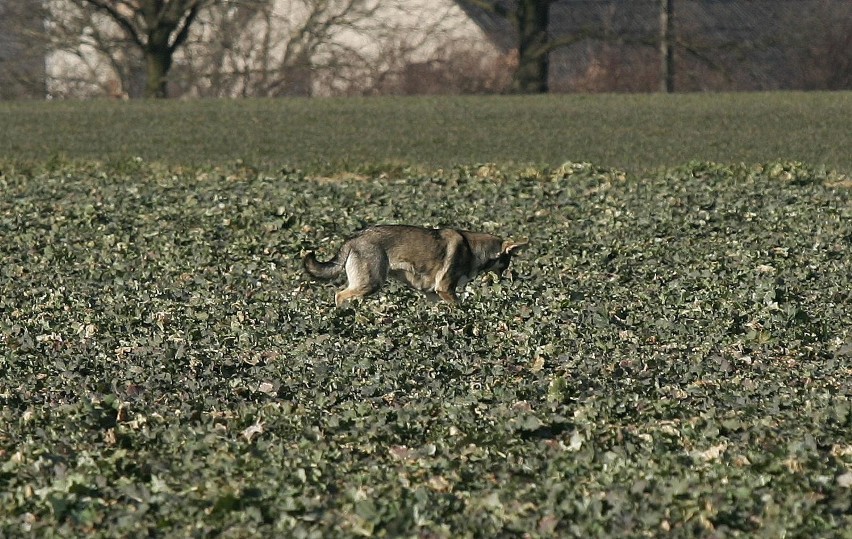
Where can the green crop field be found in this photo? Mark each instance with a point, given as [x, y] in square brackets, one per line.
[630, 132]
[671, 356]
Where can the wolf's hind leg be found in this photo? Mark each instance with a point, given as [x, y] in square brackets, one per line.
[348, 293]
[365, 273]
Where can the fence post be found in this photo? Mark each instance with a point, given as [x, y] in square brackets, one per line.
[666, 46]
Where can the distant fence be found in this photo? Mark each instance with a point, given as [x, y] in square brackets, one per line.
[716, 45]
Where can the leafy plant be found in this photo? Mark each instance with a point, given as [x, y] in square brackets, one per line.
[671, 354]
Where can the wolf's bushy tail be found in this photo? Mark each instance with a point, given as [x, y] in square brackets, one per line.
[325, 270]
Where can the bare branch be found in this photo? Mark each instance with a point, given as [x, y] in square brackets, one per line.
[491, 6]
[183, 33]
[116, 15]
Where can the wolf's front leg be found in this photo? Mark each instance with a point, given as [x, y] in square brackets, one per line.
[449, 296]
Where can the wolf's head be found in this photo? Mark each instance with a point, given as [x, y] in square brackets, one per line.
[499, 262]
[493, 254]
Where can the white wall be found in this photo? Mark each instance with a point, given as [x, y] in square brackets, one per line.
[367, 46]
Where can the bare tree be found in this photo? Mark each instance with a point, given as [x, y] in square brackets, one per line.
[334, 47]
[270, 48]
[423, 49]
[237, 48]
[530, 20]
[156, 28]
[211, 48]
[89, 55]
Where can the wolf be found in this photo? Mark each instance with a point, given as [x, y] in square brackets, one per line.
[436, 261]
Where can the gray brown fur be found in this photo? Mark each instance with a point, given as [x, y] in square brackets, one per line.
[436, 261]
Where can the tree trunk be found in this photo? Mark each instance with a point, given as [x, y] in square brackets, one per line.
[158, 61]
[158, 57]
[531, 76]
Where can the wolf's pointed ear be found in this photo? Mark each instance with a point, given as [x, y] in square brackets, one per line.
[510, 247]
